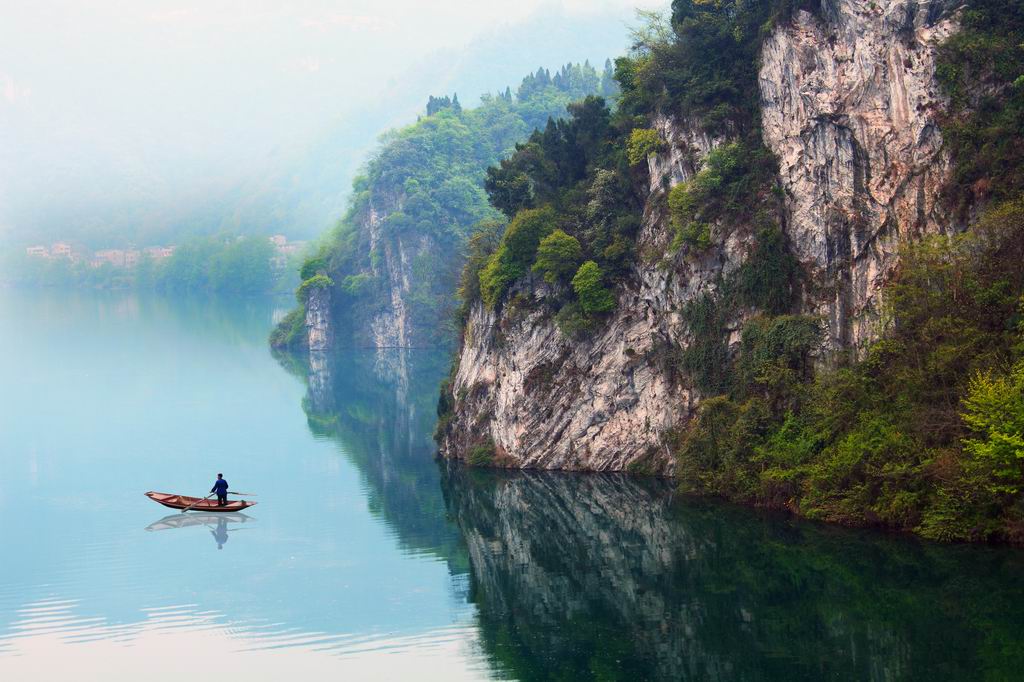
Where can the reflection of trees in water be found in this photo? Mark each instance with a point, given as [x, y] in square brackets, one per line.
[380, 406]
[591, 576]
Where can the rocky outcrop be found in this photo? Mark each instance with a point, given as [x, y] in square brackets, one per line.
[389, 324]
[551, 402]
[318, 319]
[548, 401]
[546, 404]
[849, 102]
[381, 313]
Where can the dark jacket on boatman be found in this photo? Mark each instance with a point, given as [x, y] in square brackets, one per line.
[220, 487]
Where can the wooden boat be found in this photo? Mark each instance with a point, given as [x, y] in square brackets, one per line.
[210, 505]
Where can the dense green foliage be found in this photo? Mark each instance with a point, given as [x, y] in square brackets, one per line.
[426, 182]
[575, 173]
[642, 143]
[516, 252]
[481, 244]
[994, 411]
[317, 281]
[588, 284]
[208, 264]
[558, 256]
[703, 64]
[981, 69]
[883, 441]
[212, 264]
[289, 328]
[726, 190]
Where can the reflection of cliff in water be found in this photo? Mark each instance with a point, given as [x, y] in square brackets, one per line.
[380, 406]
[608, 577]
[583, 577]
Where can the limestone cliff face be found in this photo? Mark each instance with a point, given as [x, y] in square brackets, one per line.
[318, 319]
[389, 323]
[849, 102]
[550, 402]
[381, 316]
[848, 106]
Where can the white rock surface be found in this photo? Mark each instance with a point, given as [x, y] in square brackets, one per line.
[848, 106]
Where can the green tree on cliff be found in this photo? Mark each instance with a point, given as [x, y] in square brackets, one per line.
[558, 256]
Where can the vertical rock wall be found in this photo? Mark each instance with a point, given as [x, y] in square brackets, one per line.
[848, 103]
[318, 319]
[382, 318]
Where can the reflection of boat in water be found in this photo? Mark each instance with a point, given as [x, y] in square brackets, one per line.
[217, 524]
[202, 519]
[197, 503]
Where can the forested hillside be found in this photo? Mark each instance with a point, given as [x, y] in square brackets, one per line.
[786, 269]
[386, 274]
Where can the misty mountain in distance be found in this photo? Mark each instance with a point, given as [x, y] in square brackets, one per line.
[298, 187]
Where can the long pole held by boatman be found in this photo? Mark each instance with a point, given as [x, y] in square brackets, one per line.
[196, 502]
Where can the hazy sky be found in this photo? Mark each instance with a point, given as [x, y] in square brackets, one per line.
[113, 101]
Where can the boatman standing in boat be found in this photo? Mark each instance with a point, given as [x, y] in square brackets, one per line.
[220, 487]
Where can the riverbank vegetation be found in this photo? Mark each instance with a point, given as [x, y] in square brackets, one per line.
[922, 434]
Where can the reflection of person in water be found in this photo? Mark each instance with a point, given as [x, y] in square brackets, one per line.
[220, 533]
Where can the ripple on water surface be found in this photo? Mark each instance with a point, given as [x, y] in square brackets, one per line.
[47, 639]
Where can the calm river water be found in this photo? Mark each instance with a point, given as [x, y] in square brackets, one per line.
[367, 558]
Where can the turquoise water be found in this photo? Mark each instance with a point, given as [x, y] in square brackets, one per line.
[368, 559]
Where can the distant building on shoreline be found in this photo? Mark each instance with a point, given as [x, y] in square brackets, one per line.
[56, 250]
[283, 249]
[159, 252]
[130, 257]
[119, 258]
